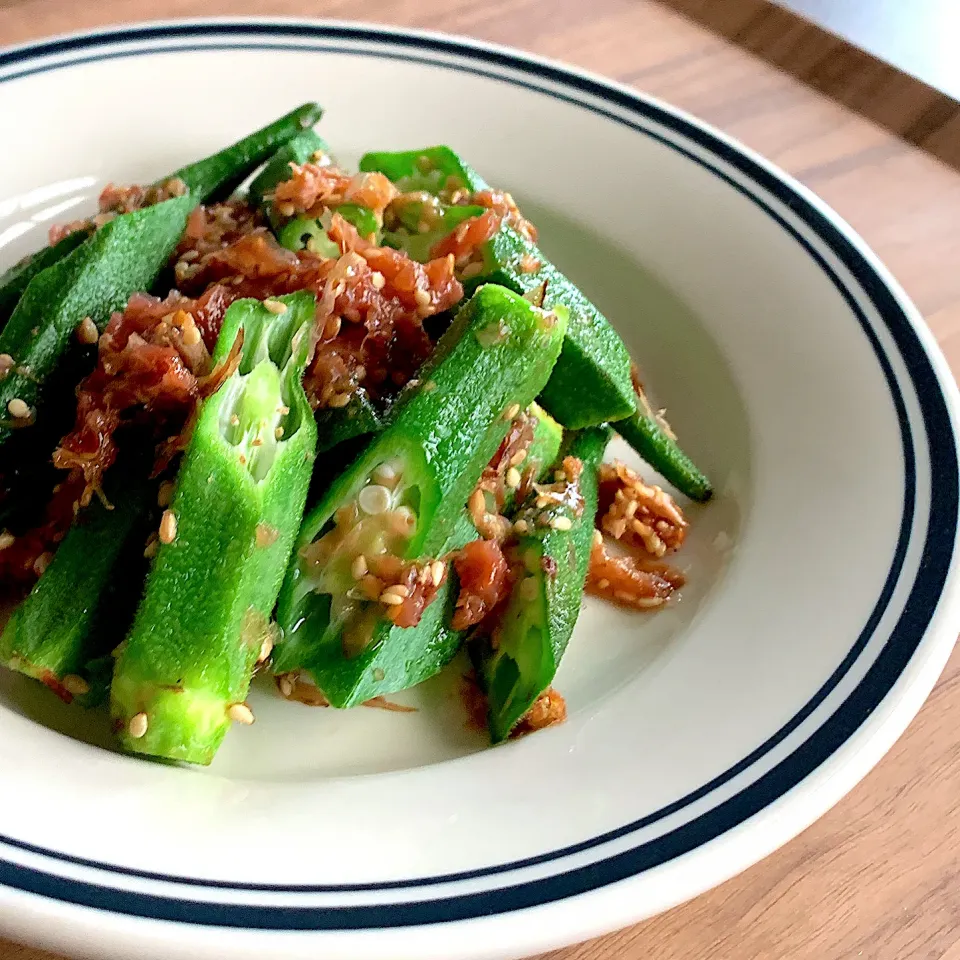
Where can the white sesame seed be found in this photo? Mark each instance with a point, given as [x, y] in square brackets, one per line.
[625, 596]
[399, 589]
[75, 685]
[477, 502]
[561, 523]
[437, 570]
[391, 598]
[42, 562]
[18, 409]
[150, 550]
[511, 411]
[421, 297]
[602, 584]
[191, 335]
[266, 648]
[286, 209]
[7, 539]
[165, 494]
[597, 537]
[86, 331]
[378, 280]
[286, 685]
[528, 589]
[374, 499]
[6, 364]
[275, 306]
[137, 727]
[521, 526]
[518, 458]
[278, 433]
[168, 527]
[471, 270]
[359, 567]
[240, 713]
[513, 478]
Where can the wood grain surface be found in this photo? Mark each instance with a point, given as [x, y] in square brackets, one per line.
[879, 876]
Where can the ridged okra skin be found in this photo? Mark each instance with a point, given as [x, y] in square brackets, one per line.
[15, 280]
[83, 603]
[236, 509]
[97, 278]
[218, 175]
[491, 363]
[545, 603]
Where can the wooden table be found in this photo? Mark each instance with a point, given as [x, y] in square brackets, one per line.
[879, 876]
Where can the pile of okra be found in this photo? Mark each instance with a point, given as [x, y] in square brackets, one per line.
[274, 511]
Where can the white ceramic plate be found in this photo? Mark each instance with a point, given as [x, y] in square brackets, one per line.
[822, 602]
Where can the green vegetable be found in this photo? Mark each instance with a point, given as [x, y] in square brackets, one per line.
[591, 382]
[336, 425]
[219, 175]
[310, 233]
[432, 169]
[184, 670]
[663, 453]
[404, 498]
[71, 620]
[15, 280]
[124, 256]
[544, 605]
[435, 220]
[299, 150]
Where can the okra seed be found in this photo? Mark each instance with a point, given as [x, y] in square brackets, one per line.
[359, 568]
[374, 499]
[513, 478]
[378, 675]
[511, 411]
[7, 539]
[385, 474]
[234, 420]
[240, 713]
[18, 409]
[168, 527]
[561, 523]
[275, 306]
[165, 494]
[137, 727]
[75, 685]
[87, 332]
[437, 570]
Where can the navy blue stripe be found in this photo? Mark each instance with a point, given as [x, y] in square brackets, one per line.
[909, 631]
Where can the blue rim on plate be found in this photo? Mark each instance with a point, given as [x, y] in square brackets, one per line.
[640, 115]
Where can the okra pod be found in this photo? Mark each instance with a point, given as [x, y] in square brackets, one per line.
[217, 176]
[664, 454]
[423, 225]
[591, 382]
[431, 169]
[98, 277]
[71, 619]
[299, 150]
[183, 672]
[402, 501]
[519, 662]
[14, 281]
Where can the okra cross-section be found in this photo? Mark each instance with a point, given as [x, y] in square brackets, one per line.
[370, 556]
[519, 661]
[183, 671]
